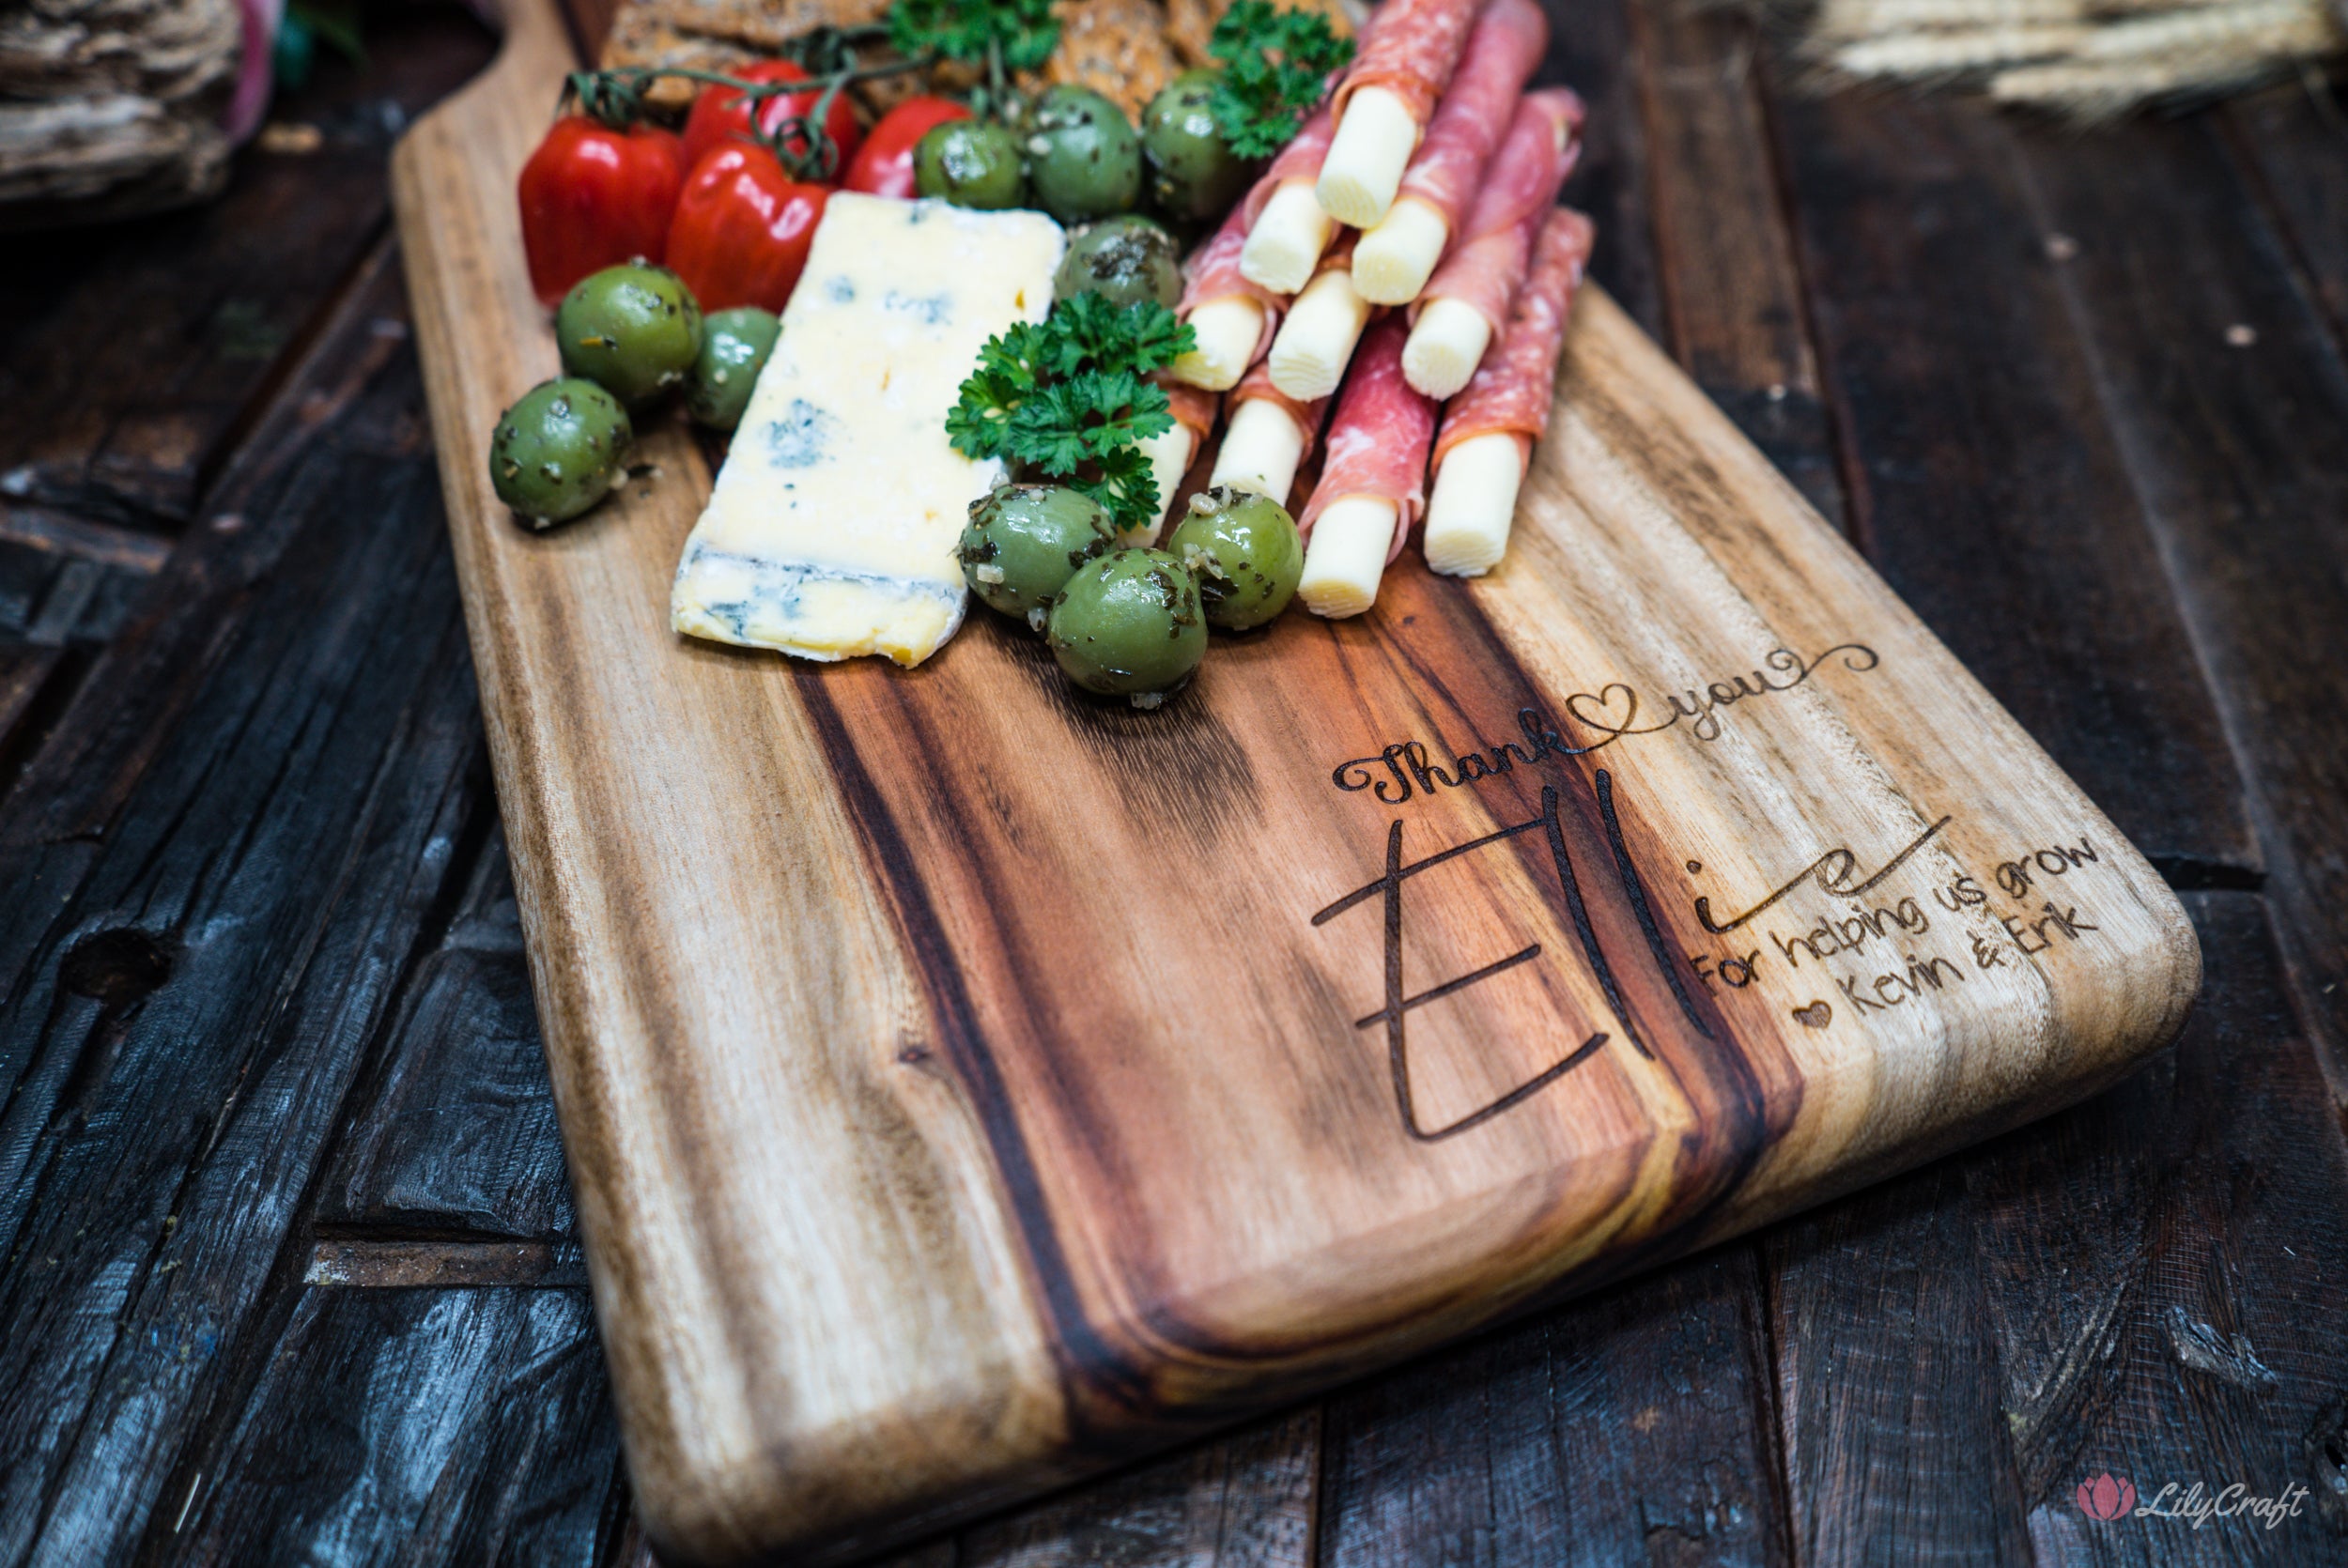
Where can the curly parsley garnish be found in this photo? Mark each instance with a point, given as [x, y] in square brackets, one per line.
[1276, 64]
[1069, 399]
[1021, 33]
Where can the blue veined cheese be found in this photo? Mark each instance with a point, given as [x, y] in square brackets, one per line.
[830, 531]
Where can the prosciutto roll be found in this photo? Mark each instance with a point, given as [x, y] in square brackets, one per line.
[1287, 230]
[1410, 49]
[1323, 325]
[1490, 429]
[1233, 319]
[1386, 98]
[1170, 453]
[1393, 260]
[1467, 299]
[1373, 482]
[1268, 435]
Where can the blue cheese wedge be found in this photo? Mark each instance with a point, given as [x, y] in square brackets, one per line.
[830, 531]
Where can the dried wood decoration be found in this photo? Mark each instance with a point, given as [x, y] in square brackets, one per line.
[113, 107]
[967, 1085]
[2088, 59]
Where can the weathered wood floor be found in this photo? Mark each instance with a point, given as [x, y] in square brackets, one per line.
[289, 1274]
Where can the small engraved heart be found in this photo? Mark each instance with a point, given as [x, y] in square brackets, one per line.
[1816, 1016]
[1604, 701]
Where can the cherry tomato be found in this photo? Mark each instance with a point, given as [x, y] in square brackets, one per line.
[884, 165]
[742, 229]
[592, 197]
[721, 116]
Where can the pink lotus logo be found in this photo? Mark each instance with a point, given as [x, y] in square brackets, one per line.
[2106, 1498]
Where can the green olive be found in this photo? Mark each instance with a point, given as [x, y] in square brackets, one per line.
[1246, 552]
[1024, 541]
[558, 450]
[1129, 624]
[1125, 260]
[1081, 155]
[970, 163]
[632, 330]
[1194, 173]
[735, 346]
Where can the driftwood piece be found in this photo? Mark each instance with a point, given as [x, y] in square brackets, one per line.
[113, 107]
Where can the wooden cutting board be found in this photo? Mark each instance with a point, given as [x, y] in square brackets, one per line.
[967, 1085]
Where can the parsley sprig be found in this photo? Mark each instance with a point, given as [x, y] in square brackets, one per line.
[1275, 64]
[1069, 399]
[1019, 33]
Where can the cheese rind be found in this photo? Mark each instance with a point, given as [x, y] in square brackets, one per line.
[830, 531]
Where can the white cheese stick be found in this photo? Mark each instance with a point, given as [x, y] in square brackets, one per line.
[830, 531]
[1448, 342]
[1228, 329]
[1261, 449]
[1286, 243]
[1316, 341]
[1346, 558]
[1373, 146]
[1473, 505]
[1170, 454]
[1392, 261]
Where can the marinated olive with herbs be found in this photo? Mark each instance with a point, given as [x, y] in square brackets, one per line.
[1024, 541]
[1194, 173]
[971, 164]
[558, 449]
[1083, 157]
[1125, 260]
[632, 330]
[1130, 624]
[1245, 550]
[735, 346]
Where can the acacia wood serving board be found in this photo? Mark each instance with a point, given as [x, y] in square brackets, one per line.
[967, 1085]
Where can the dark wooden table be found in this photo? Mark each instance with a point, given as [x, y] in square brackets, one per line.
[290, 1274]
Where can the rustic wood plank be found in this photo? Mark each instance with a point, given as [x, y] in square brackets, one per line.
[1244, 1501]
[2229, 394]
[1960, 1348]
[1990, 490]
[1590, 50]
[198, 1000]
[456, 1131]
[437, 1425]
[135, 352]
[1730, 281]
[2295, 140]
[1636, 1427]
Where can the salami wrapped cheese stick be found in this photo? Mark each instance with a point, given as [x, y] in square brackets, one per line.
[1170, 454]
[1374, 482]
[1267, 435]
[1393, 260]
[1386, 100]
[1489, 429]
[1233, 317]
[1286, 231]
[1309, 353]
[1467, 299]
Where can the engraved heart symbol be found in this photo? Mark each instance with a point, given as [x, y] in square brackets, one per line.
[1816, 1016]
[1603, 702]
